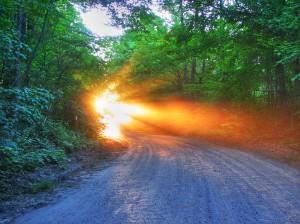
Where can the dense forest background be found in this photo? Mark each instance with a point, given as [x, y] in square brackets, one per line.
[241, 55]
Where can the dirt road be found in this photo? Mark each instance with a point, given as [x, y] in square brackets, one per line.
[164, 179]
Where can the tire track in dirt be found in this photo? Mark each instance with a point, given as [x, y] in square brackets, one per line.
[164, 179]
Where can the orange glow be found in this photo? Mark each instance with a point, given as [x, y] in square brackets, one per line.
[177, 116]
[114, 113]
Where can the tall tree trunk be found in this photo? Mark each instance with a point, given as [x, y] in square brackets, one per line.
[181, 12]
[2, 71]
[33, 53]
[179, 81]
[193, 71]
[221, 9]
[17, 82]
[270, 81]
[269, 86]
[282, 93]
[296, 100]
[203, 70]
[196, 20]
[297, 72]
[185, 75]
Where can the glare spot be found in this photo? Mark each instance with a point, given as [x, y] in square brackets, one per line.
[114, 113]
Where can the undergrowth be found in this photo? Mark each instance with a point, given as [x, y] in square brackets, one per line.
[29, 137]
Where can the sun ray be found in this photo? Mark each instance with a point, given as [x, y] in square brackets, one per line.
[115, 113]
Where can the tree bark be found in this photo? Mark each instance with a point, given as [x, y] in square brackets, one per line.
[203, 70]
[185, 75]
[196, 20]
[282, 93]
[269, 87]
[297, 85]
[2, 71]
[297, 72]
[221, 9]
[181, 12]
[193, 71]
[17, 82]
[33, 54]
[179, 81]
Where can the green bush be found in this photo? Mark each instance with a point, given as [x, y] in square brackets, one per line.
[66, 139]
[35, 159]
[10, 159]
[191, 89]
[29, 138]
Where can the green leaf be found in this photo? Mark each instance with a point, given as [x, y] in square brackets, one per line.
[296, 77]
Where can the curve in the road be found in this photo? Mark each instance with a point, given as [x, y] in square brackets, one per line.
[163, 179]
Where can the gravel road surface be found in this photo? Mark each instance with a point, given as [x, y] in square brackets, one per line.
[163, 179]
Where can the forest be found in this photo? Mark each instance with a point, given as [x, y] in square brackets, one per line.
[236, 63]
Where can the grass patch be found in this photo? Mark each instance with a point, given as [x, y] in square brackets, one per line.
[41, 186]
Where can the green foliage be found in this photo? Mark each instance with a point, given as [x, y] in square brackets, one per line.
[235, 51]
[10, 160]
[296, 77]
[192, 89]
[213, 90]
[29, 138]
[57, 133]
[24, 107]
[51, 48]
[34, 159]
[216, 51]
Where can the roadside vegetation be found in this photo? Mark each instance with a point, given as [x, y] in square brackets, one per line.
[46, 62]
[30, 138]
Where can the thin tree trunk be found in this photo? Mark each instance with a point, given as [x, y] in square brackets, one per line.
[203, 65]
[2, 71]
[179, 81]
[269, 85]
[297, 72]
[185, 75]
[221, 9]
[203, 71]
[282, 93]
[17, 82]
[193, 71]
[297, 85]
[181, 12]
[269, 80]
[33, 54]
[196, 21]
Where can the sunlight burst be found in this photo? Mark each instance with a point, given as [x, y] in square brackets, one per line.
[114, 113]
